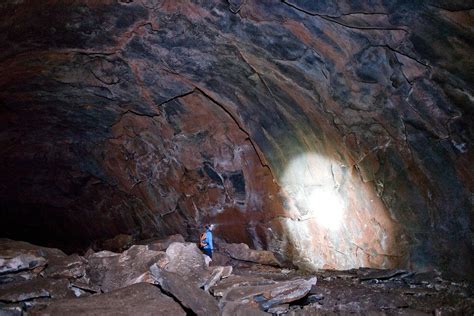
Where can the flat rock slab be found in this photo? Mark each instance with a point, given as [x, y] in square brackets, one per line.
[21, 261]
[137, 299]
[187, 293]
[244, 253]
[271, 294]
[234, 281]
[36, 288]
[73, 266]
[111, 271]
[379, 274]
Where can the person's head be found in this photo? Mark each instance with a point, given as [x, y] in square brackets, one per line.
[210, 226]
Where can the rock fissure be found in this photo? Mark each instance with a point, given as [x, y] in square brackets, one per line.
[332, 20]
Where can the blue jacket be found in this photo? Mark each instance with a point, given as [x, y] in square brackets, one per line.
[208, 240]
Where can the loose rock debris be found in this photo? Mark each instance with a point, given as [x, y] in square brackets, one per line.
[177, 280]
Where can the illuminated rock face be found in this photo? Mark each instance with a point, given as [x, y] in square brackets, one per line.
[335, 134]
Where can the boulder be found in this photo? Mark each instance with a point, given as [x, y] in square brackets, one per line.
[271, 294]
[10, 247]
[111, 271]
[234, 281]
[244, 253]
[217, 274]
[18, 256]
[34, 289]
[187, 260]
[21, 261]
[137, 299]
[72, 267]
[187, 293]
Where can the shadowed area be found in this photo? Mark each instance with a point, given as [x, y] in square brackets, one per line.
[335, 134]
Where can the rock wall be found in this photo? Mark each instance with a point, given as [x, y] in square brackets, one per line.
[336, 134]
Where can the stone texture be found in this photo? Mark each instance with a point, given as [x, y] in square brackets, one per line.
[269, 295]
[162, 244]
[111, 271]
[71, 267]
[245, 289]
[187, 293]
[137, 299]
[17, 256]
[336, 134]
[37, 288]
[217, 274]
[117, 244]
[244, 253]
[188, 261]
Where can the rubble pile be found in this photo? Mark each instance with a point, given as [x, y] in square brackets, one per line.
[178, 280]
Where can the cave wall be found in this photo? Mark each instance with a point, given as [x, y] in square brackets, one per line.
[154, 117]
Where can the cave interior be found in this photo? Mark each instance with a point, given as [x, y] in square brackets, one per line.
[328, 136]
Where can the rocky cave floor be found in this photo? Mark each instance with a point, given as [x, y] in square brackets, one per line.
[172, 277]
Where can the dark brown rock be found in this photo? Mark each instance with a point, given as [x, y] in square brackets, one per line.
[17, 277]
[239, 309]
[36, 288]
[19, 256]
[71, 267]
[137, 299]
[117, 244]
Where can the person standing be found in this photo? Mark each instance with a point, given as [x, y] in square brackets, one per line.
[206, 243]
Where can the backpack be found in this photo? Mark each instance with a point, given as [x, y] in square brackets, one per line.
[202, 240]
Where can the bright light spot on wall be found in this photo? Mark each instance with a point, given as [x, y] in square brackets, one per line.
[310, 181]
[326, 207]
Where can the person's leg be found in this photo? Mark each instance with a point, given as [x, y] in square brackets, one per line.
[208, 252]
